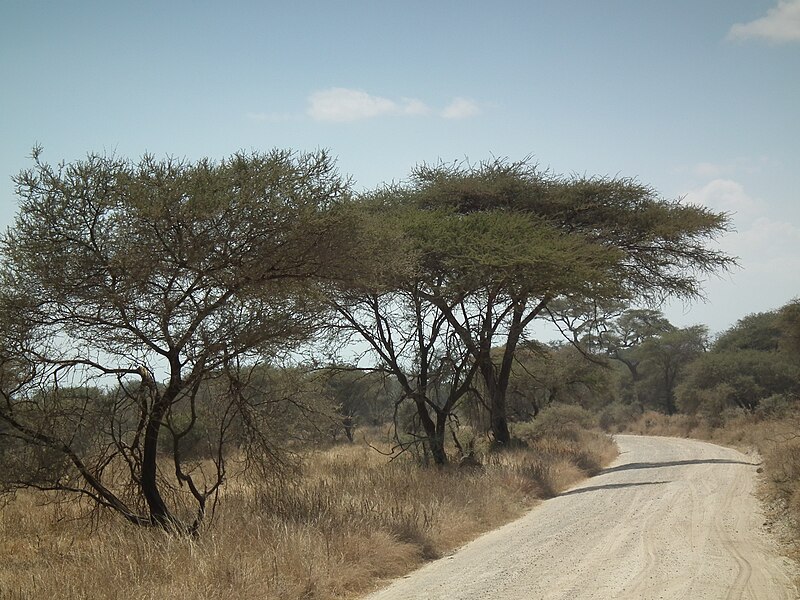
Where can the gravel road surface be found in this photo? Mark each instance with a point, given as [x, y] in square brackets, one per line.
[670, 519]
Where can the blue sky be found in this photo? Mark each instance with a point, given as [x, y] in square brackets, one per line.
[696, 98]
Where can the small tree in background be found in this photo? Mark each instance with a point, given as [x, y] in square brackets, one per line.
[620, 338]
[666, 358]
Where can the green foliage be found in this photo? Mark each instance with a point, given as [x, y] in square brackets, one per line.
[509, 252]
[651, 245]
[740, 378]
[753, 363]
[760, 332]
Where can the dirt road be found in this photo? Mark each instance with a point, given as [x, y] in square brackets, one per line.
[670, 519]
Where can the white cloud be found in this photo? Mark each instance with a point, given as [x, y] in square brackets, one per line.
[345, 105]
[749, 165]
[766, 248]
[461, 108]
[781, 24]
[725, 195]
[780, 237]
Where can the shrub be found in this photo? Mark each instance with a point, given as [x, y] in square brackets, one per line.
[616, 416]
[559, 420]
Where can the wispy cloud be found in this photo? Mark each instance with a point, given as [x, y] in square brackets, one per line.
[725, 195]
[343, 105]
[768, 247]
[461, 108]
[730, 168]
[780, 24]
[765, 245]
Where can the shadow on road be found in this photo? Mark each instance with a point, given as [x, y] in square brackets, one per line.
[675, 463]
[610, 486]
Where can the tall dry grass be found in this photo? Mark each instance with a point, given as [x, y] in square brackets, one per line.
[349, 520]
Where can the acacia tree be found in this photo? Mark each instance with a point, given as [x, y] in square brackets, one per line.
[165, 281]
[620, 338]
[517, 240]
[667, 356]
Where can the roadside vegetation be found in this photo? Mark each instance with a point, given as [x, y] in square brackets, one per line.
[345, 520]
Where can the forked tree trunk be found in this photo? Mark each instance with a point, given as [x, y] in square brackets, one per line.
[434, 431]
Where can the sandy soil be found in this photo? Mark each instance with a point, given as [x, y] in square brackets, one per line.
[670, 519]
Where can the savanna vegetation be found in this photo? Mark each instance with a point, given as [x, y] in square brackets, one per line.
[241, 378]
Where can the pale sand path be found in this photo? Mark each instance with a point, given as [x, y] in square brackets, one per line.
[670, 519]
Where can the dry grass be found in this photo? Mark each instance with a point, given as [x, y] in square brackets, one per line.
[349, 520]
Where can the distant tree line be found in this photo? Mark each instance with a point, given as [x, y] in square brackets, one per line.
[638, 361]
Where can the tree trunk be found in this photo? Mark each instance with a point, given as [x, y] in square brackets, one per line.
[159, 513]
[502, 436]
[496, 396]
[349, 425]
[434, 432]
[437, 444]
[669, 391]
